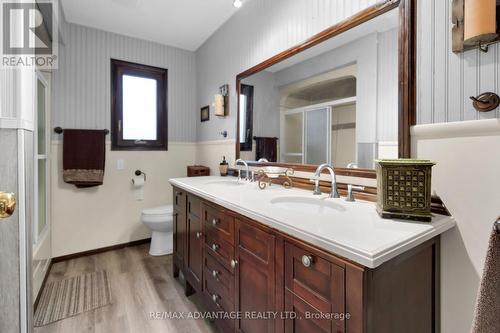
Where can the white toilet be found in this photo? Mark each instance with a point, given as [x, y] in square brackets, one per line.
[160, 221]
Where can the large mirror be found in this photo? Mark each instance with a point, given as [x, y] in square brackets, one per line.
[337, 102]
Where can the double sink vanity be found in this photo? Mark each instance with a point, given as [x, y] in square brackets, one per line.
[277, 259]
[284, 260]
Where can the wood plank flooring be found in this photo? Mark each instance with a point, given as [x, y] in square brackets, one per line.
[140, 284]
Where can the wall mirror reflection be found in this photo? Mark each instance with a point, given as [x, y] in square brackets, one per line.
[336, 102]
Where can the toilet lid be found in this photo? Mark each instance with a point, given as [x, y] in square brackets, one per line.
[163, 210]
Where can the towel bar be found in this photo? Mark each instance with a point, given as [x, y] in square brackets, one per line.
[496, 226]
[59, 130]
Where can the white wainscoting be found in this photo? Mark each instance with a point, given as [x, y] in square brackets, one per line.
[466, 178]
[86, 219]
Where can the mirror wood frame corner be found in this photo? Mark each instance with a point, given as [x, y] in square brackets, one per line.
[406, 75]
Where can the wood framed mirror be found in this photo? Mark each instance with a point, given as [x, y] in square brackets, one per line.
[346, 95]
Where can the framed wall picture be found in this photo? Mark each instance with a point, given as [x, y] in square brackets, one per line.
[205, 113]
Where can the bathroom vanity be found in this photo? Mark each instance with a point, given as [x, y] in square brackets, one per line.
[343, 98]
[283, 260]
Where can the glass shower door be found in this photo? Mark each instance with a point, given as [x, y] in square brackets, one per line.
[317, 136]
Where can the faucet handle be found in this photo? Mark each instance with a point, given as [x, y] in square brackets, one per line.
[350, 194]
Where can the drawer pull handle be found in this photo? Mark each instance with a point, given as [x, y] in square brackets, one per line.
[198, 235]
[234, 263]
[215, 298]
[214, 221]
[215, 247]
[307, 260]
[215, 274]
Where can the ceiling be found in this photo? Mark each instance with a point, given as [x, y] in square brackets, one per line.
[186, 24]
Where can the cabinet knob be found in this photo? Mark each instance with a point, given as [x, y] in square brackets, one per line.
[307, 260]
[215, 298]
[234, 263]
[215, 273]
[214, 221]
[215, 247]
[198, 234]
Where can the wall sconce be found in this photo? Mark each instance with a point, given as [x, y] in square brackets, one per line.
[480, 23]
[474, 23]
[221, 101]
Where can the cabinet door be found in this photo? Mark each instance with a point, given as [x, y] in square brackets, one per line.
[255, 277]
[180, 226]
[194, 257]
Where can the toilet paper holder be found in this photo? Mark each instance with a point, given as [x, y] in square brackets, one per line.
[139, 172]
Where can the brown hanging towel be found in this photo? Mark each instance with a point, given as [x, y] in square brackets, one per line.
[266, 148]
[487, 313]
[84, 154]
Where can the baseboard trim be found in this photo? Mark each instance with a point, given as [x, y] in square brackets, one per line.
[100, 250]
[47, 272]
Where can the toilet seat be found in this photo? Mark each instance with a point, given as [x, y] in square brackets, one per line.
[162, 210]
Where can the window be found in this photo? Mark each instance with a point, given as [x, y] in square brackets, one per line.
[41, 160]
[138, 107]
[246, 117]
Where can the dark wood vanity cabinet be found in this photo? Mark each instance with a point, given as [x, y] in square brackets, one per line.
[277, 283]
[179, 229]
[194, 246]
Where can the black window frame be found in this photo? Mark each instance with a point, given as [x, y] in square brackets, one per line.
[248, 91]
[120, 68]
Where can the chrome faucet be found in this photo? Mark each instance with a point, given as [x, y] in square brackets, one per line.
[238, 161]
[334, 193]
[350, 187]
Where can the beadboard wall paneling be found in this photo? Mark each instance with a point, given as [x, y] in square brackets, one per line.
[387, 86]
[7, 83]
[261, 29]
[446, 80]
[81, 84]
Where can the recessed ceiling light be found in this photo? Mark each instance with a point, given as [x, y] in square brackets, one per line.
[237, 3]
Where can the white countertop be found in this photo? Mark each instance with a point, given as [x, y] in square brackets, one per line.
[351, 230]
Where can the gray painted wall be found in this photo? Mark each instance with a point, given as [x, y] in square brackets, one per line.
[81, 85]
[9, 236]
[261, 29]
[446, 80]
[266, 115]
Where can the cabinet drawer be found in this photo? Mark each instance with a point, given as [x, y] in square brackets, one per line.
[194, 206]
[219, 221]
[217, 302]
[221, 250]
[220, 277]
[310, 323]
[314, 279]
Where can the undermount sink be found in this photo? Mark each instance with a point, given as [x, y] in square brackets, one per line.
[309, 205]
[225, 182]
